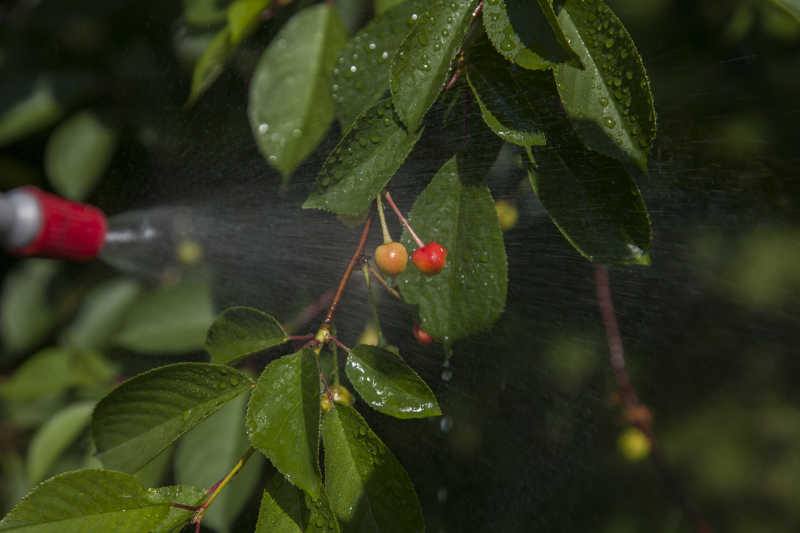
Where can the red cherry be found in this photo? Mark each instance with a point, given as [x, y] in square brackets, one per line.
[430, 259]
[391, 258]
[421, 335]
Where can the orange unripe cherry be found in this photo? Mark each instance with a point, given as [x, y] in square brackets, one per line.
[421, 335]
[430, 259]
[391, 258]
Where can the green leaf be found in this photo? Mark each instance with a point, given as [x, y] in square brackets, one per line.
[792, 7]
[26, 107]
[140, 418]
[290, 105]
[382, 6]
[26, 314]
[50, 441]
[363, 162]
[361, 74]
[594, 202]
[368, 487]
[173, 318]
[87, 500]
[608, 101]
[244, 17]
[388, 384]
[283, 418]
[241, 331]
[182, 494]
[282, 508]
[501, 94]
[211, 64]
[321, 518]
[211, 449]
[421, 67]
[78, 153]
[62, 367]
[203, 12]
[527, 34]
[101, 314]
[469, 294]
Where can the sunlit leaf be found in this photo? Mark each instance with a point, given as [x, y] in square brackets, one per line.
[363, 162]
[368, 487]
[140, 418]
[608, 101]
[87, 500]
[470, 293]
[77, 154]
[283, 417]
[241, 331]
[290, 106]
[173, 318]
[361, 73]
[594, 202]
[282, 509]
[177, 518]
[527, 33]
[55, 435]
[203, 12]
[210, 450]
[244, 16]
[421, 66]
[26, 313]
[501, 94]
[100, 314]
[388, 384]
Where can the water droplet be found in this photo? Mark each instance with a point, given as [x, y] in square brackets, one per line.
[446, 424]
[507, 45]
[609, 122]
[413, 18]
[603, 101]
[353, 68]
[447, 374]
[263, 128]
[385, 55]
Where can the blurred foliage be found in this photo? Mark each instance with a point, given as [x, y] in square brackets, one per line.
[531, 440]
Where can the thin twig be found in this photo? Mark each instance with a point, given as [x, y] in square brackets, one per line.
[636, 412]
[217, 487]
[326, 323]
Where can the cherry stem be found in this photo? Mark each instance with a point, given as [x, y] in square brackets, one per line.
[326, 323]
[186, 507]
[636, 412]
[327, 388]
[339, 344]
[387, 238]
[453, 80]
[403, 219]
[383, 282]
[311, 311]
[217, 487]
[477, 10]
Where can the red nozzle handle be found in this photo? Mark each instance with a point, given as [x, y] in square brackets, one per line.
[69, 230]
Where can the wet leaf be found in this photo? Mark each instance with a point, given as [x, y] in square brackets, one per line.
[527, 34]
[53, 438]
[212, 448]
[609, 101]
[421, 67]
[78, 153]
[290, 106]
[594, 202]
[361, 73]
[177, 518]
[101, 314]
[388, 384]
[469, 294]
[173, 318]
[283, 508]
[382, 6]
[369, 489]
[363, 162]
[241, 331]
[140, 418]
[87, 500]
[501, 94]
[321, 518]
[283, 418]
